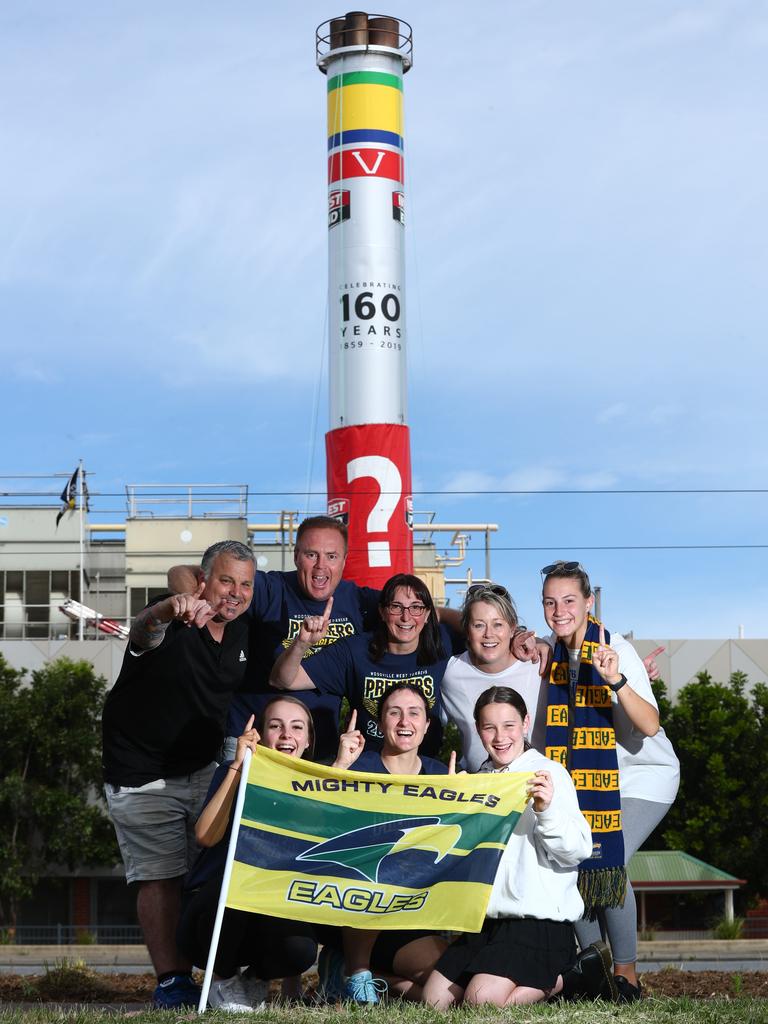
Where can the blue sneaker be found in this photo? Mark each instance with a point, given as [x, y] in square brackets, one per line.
[330, 971]
[363, 988]
[177, 991]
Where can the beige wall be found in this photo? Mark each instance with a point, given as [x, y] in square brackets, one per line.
[153, 545]
[683, 659]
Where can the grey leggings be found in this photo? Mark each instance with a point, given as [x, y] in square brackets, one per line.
[619, 925]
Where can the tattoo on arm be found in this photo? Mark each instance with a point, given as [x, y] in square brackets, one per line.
[147, 631]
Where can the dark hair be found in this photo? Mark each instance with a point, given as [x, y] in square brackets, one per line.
[309, 753]
[569, 571]
[493, 595]
[234, 548]
[430, 647]
[322, 523]
[397, 688]
[500, 695]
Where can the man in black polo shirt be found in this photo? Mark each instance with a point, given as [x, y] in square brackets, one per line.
[163, 724]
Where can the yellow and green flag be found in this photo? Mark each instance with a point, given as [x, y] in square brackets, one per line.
[370, 851]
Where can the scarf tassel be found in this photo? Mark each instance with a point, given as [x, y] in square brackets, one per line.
[601, 888]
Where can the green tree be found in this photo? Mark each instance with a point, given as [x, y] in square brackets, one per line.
[50, 776]
[720, 734]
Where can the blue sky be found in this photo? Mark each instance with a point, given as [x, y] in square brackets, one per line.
[586, 248]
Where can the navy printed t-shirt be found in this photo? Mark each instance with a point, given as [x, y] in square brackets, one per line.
[348, 670]
[277, 610]
[370, 761]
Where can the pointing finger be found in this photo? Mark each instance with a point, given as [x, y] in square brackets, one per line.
[249, 723]
[328, 606]
[198, 591]
[602, 635]
[352, 720]
[657, 652]
[452, 763]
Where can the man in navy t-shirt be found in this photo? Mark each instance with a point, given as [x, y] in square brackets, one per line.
[281, 601]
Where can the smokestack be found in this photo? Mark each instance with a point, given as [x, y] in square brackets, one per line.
[368, 461]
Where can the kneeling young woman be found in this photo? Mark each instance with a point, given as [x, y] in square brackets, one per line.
[527, 941]
[267, 947]
[403, 959]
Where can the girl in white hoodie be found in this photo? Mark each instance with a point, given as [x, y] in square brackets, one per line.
[527, 941]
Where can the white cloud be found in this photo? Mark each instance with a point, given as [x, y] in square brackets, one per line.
[612, 412]
[538, 477]
[33, 372]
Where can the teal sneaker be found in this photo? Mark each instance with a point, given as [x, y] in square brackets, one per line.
[363, 988]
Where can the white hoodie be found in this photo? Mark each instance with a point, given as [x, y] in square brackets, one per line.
[537, 874]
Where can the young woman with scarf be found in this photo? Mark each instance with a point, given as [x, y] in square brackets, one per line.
[603, 725]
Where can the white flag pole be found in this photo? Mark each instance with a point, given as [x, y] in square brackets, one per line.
[225, 883]
[81, 502]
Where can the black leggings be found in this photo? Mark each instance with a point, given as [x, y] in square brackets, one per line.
[271, 946]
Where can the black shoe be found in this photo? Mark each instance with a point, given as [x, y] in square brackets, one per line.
[591, 976]
[628, 992]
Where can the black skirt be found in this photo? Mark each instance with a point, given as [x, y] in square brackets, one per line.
[526, 950]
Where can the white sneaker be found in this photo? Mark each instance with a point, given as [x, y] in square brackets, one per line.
[230, 995]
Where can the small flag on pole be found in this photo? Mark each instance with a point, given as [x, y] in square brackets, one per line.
[68, 496]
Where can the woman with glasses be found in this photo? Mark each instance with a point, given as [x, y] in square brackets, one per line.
[603, 725]
[407, 645]
[489, 622]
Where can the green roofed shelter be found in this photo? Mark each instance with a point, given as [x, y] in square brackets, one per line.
[676, 871]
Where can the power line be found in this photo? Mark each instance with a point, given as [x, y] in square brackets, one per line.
[202, 494]
[95, 548]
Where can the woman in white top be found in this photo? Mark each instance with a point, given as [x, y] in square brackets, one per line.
[649, 772]
[527, 941]
[488, 621]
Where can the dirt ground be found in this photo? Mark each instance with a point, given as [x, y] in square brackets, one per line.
[84, 986]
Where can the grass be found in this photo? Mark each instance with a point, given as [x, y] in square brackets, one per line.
[649, 1011]
[725, 929]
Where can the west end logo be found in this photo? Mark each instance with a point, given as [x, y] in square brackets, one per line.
[363, 850]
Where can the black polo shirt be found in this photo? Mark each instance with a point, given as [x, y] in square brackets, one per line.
[165, 715]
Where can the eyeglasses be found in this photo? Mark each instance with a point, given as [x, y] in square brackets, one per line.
[563, 567]
[487, 588]
[416, 609]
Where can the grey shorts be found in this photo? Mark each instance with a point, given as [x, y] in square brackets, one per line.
[155, 824]
[228, 749]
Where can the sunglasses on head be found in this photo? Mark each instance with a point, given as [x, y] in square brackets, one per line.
[563, 567]
[488, 588]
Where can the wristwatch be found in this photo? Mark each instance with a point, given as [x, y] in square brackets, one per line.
[617, 686]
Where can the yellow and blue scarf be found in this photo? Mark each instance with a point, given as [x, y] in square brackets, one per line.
[580, 735]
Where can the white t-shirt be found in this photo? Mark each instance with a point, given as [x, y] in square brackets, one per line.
[648, 766]
[463, 683]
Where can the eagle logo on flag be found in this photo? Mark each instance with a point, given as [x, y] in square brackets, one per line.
[363, 850]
